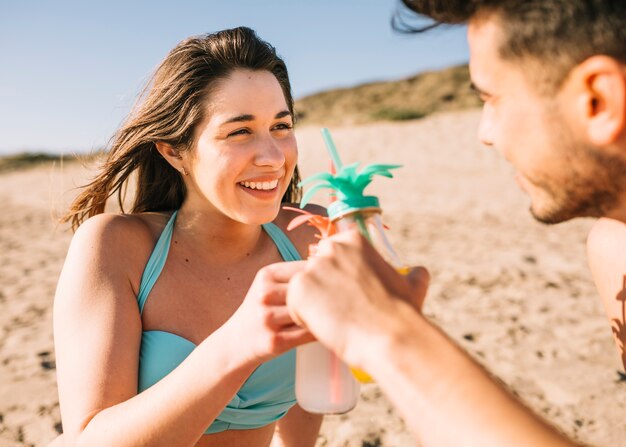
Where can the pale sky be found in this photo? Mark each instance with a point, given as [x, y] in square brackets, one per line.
[71, 70]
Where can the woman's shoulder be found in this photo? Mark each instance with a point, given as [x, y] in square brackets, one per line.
[303, 235]
[109, 235]
[112, 228]
[119, 244]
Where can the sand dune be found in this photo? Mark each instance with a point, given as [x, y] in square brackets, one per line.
[517, 295]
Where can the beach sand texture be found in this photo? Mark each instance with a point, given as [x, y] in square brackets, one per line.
[516, 294]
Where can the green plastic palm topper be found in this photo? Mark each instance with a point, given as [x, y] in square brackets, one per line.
[348, 183]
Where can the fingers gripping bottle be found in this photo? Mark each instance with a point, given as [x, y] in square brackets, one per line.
[324, 383]
[352, 209]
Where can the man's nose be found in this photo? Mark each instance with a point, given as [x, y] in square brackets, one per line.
[485, 130]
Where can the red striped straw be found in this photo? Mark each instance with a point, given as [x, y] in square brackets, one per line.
[335, 363]
[336, 385]
[332, 195]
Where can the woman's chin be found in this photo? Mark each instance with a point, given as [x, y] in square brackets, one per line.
[259, 217]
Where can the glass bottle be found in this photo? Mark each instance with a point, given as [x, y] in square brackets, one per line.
[364, 214]
[324, 383]
[349, 209]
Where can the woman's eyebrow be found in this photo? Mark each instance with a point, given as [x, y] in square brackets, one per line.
[248, 117]
[239, 118]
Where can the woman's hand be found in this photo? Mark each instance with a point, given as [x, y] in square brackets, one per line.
[262, 327]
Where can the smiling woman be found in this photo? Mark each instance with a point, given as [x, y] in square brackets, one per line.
[169, 327]
[247, 136]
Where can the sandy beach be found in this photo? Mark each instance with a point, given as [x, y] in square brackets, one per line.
[516, 294]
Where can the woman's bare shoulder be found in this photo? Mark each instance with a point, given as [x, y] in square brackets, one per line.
[109, 228]
[111, 251]
[122, 239]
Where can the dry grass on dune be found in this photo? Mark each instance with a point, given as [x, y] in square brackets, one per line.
[407, 99]
[25, 160]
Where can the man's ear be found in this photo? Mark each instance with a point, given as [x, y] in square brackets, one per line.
[172, 156]
[600, 83]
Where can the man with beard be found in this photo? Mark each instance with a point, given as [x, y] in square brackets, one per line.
[552, 75]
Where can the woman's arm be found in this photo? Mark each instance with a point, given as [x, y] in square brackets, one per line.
[606, 253]
[97, 331]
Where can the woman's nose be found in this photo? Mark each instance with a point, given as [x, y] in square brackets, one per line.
[269, 153]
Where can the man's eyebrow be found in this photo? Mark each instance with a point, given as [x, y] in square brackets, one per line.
[476, 89]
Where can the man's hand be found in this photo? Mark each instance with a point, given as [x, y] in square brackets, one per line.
[347, 295]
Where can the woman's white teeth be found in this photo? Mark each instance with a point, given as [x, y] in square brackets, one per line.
[260, 185]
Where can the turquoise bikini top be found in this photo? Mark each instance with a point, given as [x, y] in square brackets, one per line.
[269, 391]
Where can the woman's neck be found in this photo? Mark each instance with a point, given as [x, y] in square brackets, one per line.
[218, 236]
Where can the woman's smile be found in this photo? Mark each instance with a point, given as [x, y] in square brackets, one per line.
[261, 188]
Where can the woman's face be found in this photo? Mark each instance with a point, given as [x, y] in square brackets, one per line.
[245, 149]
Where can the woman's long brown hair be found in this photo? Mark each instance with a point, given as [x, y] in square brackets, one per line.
[170, 107]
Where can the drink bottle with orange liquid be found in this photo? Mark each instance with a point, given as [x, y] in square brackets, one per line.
[349, 209]
[324, 383]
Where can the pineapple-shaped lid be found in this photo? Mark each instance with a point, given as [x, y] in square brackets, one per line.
[347, 183]
[323, 224]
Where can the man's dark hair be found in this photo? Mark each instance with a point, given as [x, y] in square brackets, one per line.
[558, 34]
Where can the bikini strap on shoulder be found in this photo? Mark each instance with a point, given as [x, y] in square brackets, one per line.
[156, 262]
[284, 245]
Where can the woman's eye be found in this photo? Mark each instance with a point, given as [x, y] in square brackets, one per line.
[283, 126]
[239, 132]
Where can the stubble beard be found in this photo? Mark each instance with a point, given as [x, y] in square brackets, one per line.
[591, 184]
